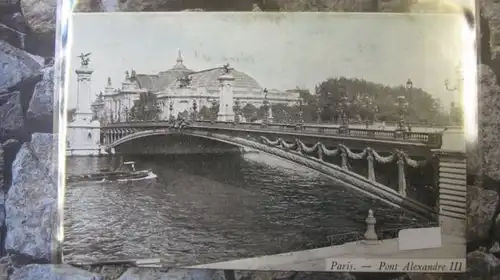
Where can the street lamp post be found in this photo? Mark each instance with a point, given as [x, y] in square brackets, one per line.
[402, 107]
[126, 113]
[455, 88]
[409, 89]
[266, 109]
[344, 108]
[237, 111]
[301, 111]
[214, 104]
[195, 110]
[434, 114]
[171, 110]
[318, 115]
[369, 110]
[318, 110]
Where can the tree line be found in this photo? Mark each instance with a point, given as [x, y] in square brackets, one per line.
[366, 102]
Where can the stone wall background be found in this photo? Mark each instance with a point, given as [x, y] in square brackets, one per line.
[28, 200]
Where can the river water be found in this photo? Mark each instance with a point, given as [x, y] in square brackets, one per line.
[206, 208]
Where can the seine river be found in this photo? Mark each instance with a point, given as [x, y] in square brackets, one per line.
[206, 208]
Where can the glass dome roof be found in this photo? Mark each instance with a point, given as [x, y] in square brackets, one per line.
[209, 79]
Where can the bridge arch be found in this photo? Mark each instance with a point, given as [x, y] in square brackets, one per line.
[336, 173]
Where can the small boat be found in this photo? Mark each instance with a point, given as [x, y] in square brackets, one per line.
[125, 173]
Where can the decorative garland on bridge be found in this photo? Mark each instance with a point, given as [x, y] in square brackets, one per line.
[319, 148]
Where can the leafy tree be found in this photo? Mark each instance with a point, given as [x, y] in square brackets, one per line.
[282, 113]
[250, 112]
[384, 101]
[146, 108]
[214, 110]
[205, 113]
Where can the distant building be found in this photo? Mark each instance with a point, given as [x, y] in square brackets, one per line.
[179, 87]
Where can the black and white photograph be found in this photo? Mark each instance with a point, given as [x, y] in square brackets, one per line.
[267, 141]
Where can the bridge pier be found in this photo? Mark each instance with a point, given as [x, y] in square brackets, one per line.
[452, 192]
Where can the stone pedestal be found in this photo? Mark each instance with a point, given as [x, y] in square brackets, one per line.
[226, 113]
[84, 139]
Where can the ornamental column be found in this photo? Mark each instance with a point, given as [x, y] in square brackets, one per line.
[226, 113]
[83, 134]
[83, 93]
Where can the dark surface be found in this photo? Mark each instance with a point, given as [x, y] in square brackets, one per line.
[214, 208]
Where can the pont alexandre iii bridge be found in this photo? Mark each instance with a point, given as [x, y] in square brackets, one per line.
[332, 151]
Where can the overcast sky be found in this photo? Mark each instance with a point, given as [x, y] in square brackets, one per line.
[280, 51]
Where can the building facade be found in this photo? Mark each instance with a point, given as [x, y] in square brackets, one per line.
[178, 88]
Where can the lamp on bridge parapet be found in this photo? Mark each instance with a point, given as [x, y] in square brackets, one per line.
[344, 109]
[126, 111]
[237, 111]
[171, 110]
[301, 111]
[409, 90]
[266, 108]
[215, 102]
[369, 110]
[195, 111]
[300, 122]
[458, 83]
[402, 108]
[434, 110]
[318, 110]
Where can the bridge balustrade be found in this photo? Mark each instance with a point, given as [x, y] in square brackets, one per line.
[430, 139]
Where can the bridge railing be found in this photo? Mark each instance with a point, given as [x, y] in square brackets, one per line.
[433, 139]
[429, 138]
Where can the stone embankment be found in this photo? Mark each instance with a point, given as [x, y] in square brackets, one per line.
[28, 202]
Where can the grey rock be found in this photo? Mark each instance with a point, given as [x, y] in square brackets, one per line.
[15, 20]
[1, 166]
[86, 6]
[11, 36]
[489, 121]
[10, 149]
[491, 11]
[17, 65]
[40, 115]
[52, 272]
[11, 116]
[482, 265]
[110, 5]
[111, 272]
[324, 276]
[40, 15]
[247, 5]
[257, 275]
[172, 274]
[38, 59]
[31, 203]
[481, 204]
[473, 158]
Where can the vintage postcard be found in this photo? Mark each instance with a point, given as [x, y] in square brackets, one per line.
[267, 141]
